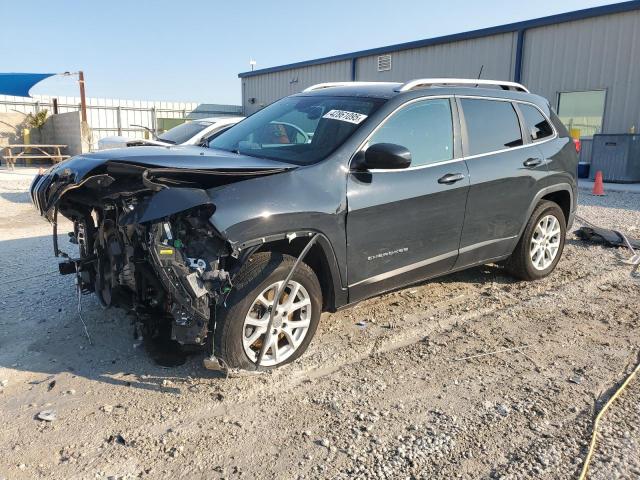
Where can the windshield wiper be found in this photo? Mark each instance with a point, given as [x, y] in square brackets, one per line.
[233, 150]
[152, 132]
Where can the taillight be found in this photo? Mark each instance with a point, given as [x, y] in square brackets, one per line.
[577, 144]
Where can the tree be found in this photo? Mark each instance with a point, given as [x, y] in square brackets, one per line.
[36, 120]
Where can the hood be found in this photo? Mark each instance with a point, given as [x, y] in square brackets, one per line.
[174, 157]
[126, 171]
[147, 141]
[110, 143]
[182, 156]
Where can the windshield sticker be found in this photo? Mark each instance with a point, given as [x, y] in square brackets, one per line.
[344, 116]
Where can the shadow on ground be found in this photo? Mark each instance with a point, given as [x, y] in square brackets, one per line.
[42, 333]
[16, 197]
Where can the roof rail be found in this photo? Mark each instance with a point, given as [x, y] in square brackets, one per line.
[430, 82]
[320, 86]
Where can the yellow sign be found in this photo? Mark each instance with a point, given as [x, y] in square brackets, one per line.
[575, 133]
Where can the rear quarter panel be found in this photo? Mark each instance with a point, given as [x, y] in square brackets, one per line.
[562, 160]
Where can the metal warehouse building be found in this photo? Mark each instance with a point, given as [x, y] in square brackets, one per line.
[587, 63]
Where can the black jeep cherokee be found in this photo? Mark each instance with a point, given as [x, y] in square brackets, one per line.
[317, 201]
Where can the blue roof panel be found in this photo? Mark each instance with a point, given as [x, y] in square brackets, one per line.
[19, 84]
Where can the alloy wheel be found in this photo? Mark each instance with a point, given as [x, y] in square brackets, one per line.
[545, 242]
[290, 324]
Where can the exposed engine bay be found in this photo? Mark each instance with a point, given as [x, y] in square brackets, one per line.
[177, 266]
[145, 241]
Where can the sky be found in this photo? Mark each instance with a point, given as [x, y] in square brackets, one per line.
[193, 50]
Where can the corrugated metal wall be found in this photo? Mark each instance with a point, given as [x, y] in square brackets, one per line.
[464, 58]
[592, 54]
[268, 88]
[458, 59]
[601, 52]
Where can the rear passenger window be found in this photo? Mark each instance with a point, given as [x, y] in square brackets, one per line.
[491, 125]
[537, 126]
[425, 128]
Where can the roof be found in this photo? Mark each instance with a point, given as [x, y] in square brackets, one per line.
[217, 119]
[208, 110]
[387, 90]
[470, 35]
[372, 90]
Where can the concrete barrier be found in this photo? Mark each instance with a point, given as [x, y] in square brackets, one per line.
[64, 129]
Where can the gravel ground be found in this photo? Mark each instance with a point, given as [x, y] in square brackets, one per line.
[618, 450]
[384, 391]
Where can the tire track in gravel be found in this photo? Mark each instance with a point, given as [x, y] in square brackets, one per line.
[538, 449]
[414, 335]
[287, 378]
[528, 445]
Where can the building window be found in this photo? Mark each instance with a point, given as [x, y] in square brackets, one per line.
[384, 63]
[582, 112]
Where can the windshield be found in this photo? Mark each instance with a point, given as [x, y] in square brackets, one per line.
[183, 132]
[301, 130]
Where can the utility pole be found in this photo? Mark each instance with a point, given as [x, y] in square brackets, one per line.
[83, 100]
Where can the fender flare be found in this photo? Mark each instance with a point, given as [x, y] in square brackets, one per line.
[340, 292]
[558, 187]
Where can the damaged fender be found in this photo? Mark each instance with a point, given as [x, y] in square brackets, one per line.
[249, 214]
[166, 202]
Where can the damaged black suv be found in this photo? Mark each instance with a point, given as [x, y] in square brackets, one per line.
[317, 201]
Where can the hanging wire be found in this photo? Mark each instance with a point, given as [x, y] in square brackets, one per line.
[79, 290]
[15, 280]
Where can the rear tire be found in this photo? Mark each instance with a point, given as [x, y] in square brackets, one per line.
[241, 326]
[540, 246]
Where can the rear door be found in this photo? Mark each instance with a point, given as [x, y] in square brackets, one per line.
[504, 171]
[404, 225]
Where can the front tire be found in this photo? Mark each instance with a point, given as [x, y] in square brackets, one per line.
[241, 327]
[541, 244]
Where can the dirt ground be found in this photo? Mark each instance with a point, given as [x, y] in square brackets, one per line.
[384, 391]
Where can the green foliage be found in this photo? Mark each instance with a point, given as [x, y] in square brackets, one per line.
[37, 120]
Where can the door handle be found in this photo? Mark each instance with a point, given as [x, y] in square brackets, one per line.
[532, 162]
[450, 178]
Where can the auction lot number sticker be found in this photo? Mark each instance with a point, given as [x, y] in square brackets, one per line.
[345, 116]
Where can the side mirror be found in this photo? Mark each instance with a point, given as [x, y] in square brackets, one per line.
[384, 155]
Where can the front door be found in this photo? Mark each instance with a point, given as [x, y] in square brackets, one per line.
[405, 225]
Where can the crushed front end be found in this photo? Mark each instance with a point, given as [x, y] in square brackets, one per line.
[145, 240]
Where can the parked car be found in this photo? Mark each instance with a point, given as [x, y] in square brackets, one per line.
[191, 132]
[318, 201]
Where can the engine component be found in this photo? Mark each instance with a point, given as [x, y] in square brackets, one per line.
[145, 239]
[171, 267]
[197, 264]
[195, 284]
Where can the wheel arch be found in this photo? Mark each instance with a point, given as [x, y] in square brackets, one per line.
[560, 192]
[563, 199]
[322, 260]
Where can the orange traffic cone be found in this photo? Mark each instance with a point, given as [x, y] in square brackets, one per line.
[598, 187]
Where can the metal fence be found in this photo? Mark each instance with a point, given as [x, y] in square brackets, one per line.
[108, 117]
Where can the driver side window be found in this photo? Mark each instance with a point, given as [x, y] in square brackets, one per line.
[425, 128]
